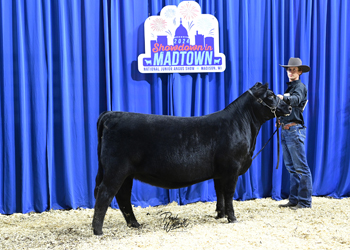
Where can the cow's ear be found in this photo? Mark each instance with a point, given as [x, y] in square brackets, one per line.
[258, 84]
[266, 85]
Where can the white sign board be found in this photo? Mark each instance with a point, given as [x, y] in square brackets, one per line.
[181, 39]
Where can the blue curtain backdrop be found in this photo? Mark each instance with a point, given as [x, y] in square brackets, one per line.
[64, 62]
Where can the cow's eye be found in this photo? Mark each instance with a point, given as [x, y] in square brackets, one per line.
[270, 95]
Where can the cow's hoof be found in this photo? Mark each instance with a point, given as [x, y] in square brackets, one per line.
[220, 216]
[98, 232]
[134, 224]
[234, 220]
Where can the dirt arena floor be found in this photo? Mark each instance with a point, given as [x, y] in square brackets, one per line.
[261, 225]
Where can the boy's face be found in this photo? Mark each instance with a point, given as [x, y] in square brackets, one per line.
[293, 73]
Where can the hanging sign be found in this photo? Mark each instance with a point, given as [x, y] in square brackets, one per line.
[181, 39]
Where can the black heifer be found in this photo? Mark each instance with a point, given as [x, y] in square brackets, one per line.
[174, 152]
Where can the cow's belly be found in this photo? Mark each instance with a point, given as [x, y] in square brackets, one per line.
[173, 167]
[170, 181]
[175, 170]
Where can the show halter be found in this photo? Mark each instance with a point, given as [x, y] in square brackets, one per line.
[273, 110]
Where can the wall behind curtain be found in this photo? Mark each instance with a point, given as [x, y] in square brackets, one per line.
[64, 62]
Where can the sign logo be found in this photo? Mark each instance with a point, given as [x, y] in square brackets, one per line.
[181, 39]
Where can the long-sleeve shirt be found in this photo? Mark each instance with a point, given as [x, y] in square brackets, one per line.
[297, 99]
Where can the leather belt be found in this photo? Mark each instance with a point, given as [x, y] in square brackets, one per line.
[287, 126]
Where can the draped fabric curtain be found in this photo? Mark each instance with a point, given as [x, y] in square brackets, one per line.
[64, 62]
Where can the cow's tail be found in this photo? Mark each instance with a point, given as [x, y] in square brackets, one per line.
[100, 126]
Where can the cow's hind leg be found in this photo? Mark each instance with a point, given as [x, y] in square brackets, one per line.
[105, 195]
[123, 198]
[98, 180]
[220, 205]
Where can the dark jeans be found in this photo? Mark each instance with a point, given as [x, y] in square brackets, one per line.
[295, 161]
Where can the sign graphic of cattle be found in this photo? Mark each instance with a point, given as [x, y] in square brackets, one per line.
[181, 39]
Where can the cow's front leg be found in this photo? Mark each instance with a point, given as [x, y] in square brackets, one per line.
[220, 204]
[229, 191]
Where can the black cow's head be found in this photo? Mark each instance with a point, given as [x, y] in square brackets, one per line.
[271, 104]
